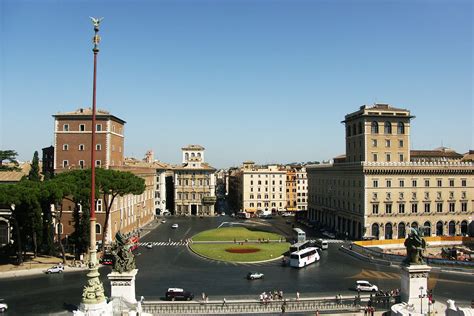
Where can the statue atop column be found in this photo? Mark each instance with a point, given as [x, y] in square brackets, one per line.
[124, 260]
[415, 245]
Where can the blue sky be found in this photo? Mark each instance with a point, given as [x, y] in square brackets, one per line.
[261, 80]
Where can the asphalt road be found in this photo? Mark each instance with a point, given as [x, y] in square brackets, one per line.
[176, 266]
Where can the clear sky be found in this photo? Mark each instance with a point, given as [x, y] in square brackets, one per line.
[261, 80]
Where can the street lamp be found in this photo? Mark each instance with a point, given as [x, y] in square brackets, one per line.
[421, 296]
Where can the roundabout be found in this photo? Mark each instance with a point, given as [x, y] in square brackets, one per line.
[238, 245]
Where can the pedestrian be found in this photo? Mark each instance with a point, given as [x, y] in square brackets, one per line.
[283, 308]
[317, 312]
[365, 311]
[207, 298]
[297, 295]
[203, 296]
[224, 302]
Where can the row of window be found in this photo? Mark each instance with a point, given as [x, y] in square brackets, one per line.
[401, 195]
[82, 147]
[352, 130]
[265, 204]
[81, 164]
[414, 183]
[191, 196]
[388, 157]
[438, 229]
[388, 143]
[193, 182]
[82, 128]
[414, 208]
[266, 189]
[266, 182]
[259, 197]
[266, 175]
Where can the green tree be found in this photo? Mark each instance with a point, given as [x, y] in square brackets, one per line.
[34, 174]
[10, 156]
[113, 183]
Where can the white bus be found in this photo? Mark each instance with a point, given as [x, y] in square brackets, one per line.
[300, 235]
[304, 257]
[299, 246]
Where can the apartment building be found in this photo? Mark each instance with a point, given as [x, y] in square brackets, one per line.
[72, 140]
[194, 184]
[301, 185]
[380, 188]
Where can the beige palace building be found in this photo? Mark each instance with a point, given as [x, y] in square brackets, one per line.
[380, 188]
[194, 184]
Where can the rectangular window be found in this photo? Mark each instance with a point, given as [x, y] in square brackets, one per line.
[414, 208]
[387, 143]
[375, 208]
[427, 183]
[402, 183]
[65, 147]
[375, 157]
[463, 182]
[374, 143]
[464, 207]
[401, 158]
[439, 183]
[66, 127]
[376, 183]
[401, 208]
[388, 208]
[82, 127]
[98, 147]
[389, 183]
[427, 207]
[451, 183]
[81, 164]
[65, 163]
[413, 183]
[98, 127]
[400, 143]
[81, 147]
[388, 157]
[439, 207]
[97, 163]
[451, 207]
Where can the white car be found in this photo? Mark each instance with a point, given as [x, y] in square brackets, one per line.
[55, 269]
[366, 286]
[174, 226]
[254, 275]
[163, 221]
[149, 245]
[3, 306]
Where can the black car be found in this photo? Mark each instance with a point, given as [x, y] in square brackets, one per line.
[177, 294]
[107, 259]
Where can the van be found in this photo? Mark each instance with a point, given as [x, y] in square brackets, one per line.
[175, 294]
[321, 243]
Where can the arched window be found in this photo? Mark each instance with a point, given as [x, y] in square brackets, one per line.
[192, 154]
[400, 128]
[98, 229]
[439, 228]
[464, 228]
[59, 228]
[360, 128]
[427, 228]
[186, 156]
[199, 155]
[414, 225]
[374, 129]
[388, 231]
[375, 230]
[387, 128]
[452, 228]
[401, 230]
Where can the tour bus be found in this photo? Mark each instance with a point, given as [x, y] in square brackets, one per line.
[299, 246]
[321, 243]
[300, 235]
[304, 257]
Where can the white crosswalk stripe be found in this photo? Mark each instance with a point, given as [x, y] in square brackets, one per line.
[163, 243]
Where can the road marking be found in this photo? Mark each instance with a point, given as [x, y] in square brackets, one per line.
[371, 274]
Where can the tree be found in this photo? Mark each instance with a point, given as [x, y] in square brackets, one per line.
[113, 183]
[34, 174]
[10, 156]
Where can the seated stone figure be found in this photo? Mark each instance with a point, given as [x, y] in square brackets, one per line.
[415, 245]
[124, 260]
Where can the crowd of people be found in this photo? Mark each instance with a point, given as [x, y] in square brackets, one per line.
[271, 296]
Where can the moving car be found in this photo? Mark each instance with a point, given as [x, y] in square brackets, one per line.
[3, 306]
[149, 245]
[55, 269]
[163, 221]
[107, 259]
[174, 293]
[174, 226]
[363, 285]
[254, 275]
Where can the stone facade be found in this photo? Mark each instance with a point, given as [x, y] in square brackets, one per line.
[382, 199]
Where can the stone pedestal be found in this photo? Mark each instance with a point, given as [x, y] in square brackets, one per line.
[100, 309]
[414, 284]
[123, 285]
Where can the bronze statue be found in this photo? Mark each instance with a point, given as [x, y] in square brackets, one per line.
[415, 245]
[124, 260]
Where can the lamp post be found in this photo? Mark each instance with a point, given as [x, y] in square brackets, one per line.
[421, 299]
[93, 293]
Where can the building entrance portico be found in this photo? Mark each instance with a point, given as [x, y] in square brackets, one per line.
[194, 209]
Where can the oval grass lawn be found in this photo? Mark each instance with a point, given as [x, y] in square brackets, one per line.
[216, 251]
[234, 233]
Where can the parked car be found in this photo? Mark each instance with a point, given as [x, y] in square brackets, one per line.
[366, 286]
[163, 221]
[107, 259]
[3, 306]
[254, 275]
[174, 293]
[149, 245]
[174, 226]
[55, 269]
